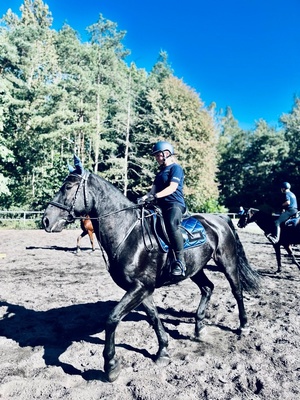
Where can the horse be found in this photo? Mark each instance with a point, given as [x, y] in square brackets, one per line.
[87, 229]
[289, 235]
[135, 260]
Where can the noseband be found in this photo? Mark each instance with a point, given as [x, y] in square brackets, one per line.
[71, 217]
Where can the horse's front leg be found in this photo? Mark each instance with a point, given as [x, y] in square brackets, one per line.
[278, 256]
[129, 302]
[78, 250]
[162, 356]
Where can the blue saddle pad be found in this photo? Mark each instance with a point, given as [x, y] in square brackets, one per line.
[193, 234]
[292, 222]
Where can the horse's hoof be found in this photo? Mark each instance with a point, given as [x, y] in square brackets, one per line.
[245, 330]
[113, 372]
[200, 331]
[163, 361]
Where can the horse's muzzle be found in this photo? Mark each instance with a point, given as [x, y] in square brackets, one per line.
[57, 226]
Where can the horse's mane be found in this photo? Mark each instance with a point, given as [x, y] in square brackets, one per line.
[265, 215]
[109, 189]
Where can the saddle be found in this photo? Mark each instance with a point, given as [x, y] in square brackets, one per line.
[193, 232]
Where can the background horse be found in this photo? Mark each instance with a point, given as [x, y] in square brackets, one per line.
[288, 235]
[87, 229]
[135, 261]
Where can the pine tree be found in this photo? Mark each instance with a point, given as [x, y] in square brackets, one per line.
[28, 71]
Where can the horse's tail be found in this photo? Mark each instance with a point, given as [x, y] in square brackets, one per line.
[250, 278]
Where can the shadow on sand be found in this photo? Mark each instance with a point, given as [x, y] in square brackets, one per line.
[56, 329]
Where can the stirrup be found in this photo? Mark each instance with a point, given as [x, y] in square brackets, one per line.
[177, 268]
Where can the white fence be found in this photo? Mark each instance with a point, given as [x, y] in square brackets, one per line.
[37, 215]
[21, 215]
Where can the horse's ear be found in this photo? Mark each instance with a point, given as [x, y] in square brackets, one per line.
[78, 165]
[71, 169]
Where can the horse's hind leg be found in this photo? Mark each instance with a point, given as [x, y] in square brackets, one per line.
[91, 236]
[162, 356]
[232, 275]
[206, 287]
[230, 268]
[290, 252]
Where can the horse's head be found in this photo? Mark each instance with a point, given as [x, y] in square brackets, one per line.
[246, 218]
[69, 202]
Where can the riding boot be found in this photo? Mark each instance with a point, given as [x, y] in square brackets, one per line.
[275, 238]
[178, 266]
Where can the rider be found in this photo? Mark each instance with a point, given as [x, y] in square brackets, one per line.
[289, 208]
[167, 189]
[241, 211]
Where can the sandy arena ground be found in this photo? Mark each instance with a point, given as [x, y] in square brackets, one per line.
[53, 307]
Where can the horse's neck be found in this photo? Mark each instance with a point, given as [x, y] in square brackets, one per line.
[114, 215]
[112, 231]
[264, 221]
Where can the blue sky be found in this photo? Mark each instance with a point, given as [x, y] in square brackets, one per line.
[239, 53]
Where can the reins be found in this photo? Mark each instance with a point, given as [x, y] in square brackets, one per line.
[146, 230]
[135, 206]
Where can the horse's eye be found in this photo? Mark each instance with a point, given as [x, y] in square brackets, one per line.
[69, 186]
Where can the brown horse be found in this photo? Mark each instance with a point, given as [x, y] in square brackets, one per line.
[87, 229]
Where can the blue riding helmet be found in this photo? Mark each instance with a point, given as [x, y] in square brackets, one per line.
[285, 185]
[162, 146]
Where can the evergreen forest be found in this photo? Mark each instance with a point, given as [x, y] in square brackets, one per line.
[60, 96]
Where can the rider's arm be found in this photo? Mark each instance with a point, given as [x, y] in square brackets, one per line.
[168, 190]
[163, 193]
[286, 203]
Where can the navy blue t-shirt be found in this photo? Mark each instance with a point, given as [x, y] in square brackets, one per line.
[168, 174]
[289, 196]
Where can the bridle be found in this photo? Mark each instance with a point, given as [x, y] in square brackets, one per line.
[71, 216]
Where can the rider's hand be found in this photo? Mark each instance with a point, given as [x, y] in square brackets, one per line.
[140, 201]
[147, 198]
[151, 198]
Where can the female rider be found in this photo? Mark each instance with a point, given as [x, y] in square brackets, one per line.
[167, 189]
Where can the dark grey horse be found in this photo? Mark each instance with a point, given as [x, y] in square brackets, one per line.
[135, 261]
